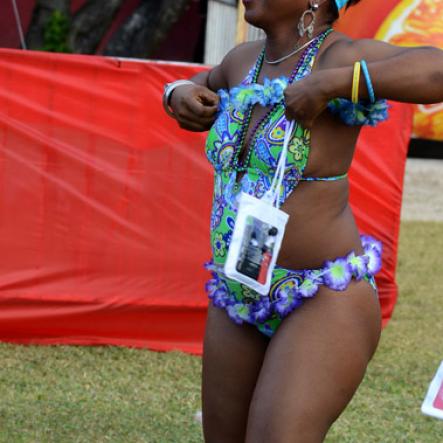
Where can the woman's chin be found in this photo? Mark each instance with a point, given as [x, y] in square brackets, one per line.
[254, 18]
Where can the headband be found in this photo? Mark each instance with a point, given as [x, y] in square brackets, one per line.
[341, 3]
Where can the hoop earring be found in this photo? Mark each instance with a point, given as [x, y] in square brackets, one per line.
[310, 14]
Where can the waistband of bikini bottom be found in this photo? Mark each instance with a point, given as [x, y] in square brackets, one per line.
[368, 263]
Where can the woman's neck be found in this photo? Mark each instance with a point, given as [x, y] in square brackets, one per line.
[280, 42]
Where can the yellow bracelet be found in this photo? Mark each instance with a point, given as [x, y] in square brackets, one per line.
[356, 82]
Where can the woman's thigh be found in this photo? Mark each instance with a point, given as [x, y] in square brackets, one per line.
[232, 358]
[313, 365]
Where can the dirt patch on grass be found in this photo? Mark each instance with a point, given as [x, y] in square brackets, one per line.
[423, 190]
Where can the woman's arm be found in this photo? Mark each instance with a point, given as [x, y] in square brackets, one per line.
[195, 106]
[213, 79]
[413, 75]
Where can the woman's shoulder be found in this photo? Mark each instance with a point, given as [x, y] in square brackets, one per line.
[238, 61]
[343, 50]
[337, 51]
[235, 66]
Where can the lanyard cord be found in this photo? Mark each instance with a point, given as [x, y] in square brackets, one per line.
[19, 24]
[272, 196]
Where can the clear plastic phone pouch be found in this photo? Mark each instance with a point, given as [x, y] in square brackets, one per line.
[255, 243]
[258, 232]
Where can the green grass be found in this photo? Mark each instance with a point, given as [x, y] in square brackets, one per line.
[97, 394]
[386, 408]
[107, 394]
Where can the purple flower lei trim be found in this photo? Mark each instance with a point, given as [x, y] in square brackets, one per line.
[335, 274]
[361, 113]
[243, 96]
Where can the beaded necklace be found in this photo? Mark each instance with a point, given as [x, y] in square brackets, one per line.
[301, 64]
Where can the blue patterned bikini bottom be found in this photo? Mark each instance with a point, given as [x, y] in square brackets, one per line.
[290, 288]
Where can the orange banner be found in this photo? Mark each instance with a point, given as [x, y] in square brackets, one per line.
[404, 23]
[105, 204]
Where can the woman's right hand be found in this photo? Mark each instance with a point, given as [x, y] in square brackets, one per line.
[194, 107]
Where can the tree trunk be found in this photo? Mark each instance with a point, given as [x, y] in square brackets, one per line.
[139, 36]
[90, 24]
[144, 30]
[41, 14]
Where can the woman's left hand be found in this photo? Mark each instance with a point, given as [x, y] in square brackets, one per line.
[306, 99]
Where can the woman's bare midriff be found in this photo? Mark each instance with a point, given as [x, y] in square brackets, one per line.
[320, 227]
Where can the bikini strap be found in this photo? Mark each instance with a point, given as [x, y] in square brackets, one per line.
[309, 57]
[325, 179]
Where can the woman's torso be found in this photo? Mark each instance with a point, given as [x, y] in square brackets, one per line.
[321, 225]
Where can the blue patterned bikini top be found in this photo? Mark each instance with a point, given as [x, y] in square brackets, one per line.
[226, 136]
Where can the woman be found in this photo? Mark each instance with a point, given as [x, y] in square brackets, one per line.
[281, 368]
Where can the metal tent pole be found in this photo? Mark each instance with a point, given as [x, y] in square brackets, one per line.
[19, 24]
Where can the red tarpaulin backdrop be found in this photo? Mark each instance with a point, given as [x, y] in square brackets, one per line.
[104, 204]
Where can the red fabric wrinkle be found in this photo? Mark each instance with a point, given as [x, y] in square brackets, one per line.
[105, 204]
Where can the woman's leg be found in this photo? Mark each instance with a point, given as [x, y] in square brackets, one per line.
[313, 365]
[232, 358]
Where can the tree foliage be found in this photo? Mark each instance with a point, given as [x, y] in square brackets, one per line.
[54, 28]
[55, 33]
